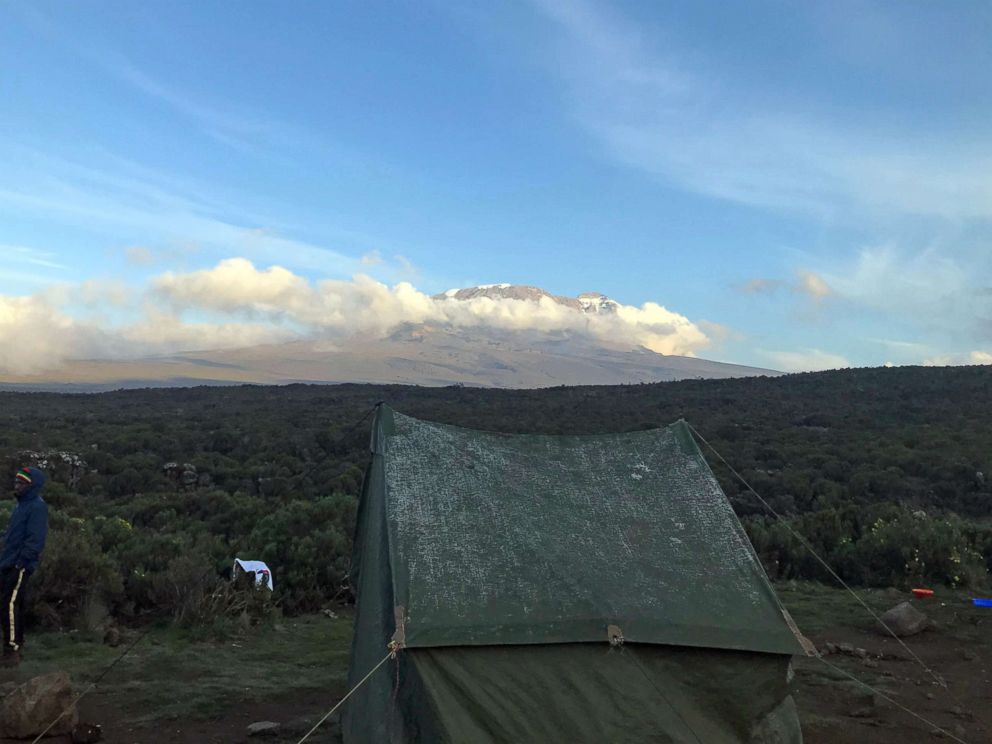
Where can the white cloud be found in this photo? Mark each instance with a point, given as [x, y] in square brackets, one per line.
[372, 258]
[953, 360]
[364, 305]
[34, 335]
[37, 332]
[806, 360]
[236, 304]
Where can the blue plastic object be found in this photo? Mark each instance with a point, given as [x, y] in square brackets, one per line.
[982, 602]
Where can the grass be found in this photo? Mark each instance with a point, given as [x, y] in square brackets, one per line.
[172, 675]
[832, 614]
[817, 608]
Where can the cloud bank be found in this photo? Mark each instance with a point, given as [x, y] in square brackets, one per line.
[236, 304]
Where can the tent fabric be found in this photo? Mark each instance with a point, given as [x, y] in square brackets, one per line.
[500, 563]
[514, 539]
[592, 693]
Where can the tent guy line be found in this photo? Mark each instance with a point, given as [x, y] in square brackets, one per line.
[92, 686]
[802, 541]
[391, 655]
[890, 699]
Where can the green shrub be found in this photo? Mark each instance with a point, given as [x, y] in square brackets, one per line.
[74, 572]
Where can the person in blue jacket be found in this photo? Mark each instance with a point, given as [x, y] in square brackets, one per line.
[22, 546]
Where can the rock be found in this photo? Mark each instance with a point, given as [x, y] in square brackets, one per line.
[959, 730]
[969, 655]
[904, 620]
[112, 637]
[962, 713]
[845, 648]
[264, 728]
[861, 653]
[870, 663]
[28, 710]
[929, 696]
[87, 734]
[330, 614]
[829, 648]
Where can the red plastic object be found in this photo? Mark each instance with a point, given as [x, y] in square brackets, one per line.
[923, 592]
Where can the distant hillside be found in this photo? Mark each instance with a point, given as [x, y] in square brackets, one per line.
[410, 356]
[886, 471]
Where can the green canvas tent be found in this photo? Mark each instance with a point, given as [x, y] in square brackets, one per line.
[559, 589]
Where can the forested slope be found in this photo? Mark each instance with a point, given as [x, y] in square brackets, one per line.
[887, 471]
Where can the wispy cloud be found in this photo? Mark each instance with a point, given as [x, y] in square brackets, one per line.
[155, 206]
[932, 289]
[247, 131]
[22, 254]
[29, 267]
[656, 111]
[813, 285]
[807, 283]
[761, 285]
[954, 360]
[806, 360]
[138, 255]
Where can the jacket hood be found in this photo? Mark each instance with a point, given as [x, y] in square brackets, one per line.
[38, 480]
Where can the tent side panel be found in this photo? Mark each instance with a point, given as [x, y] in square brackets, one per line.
[591, 693]
[370, 716]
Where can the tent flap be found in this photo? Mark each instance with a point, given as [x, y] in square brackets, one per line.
[586, 693]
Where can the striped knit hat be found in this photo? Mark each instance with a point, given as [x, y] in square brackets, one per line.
[23, 475]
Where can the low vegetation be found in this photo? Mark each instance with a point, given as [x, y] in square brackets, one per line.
[886, 471]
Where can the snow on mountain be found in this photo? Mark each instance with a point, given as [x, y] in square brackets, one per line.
[587, 302]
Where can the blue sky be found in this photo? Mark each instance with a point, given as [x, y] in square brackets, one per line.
[808, 185]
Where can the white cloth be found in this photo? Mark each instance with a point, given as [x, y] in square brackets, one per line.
[262, 573]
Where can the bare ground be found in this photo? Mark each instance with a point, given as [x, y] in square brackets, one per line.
[177, 690]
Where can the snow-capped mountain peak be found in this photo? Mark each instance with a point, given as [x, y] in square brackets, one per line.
[587, 302]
